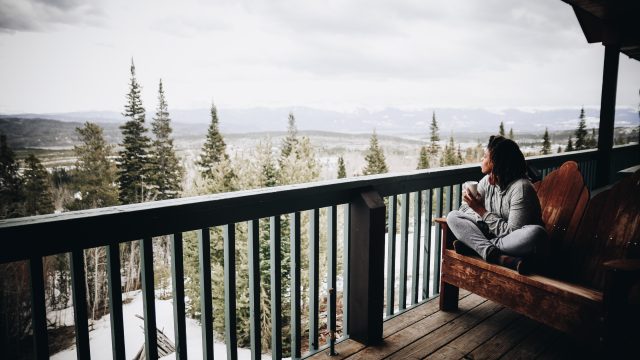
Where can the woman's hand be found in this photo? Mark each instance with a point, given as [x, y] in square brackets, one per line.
[474, 203]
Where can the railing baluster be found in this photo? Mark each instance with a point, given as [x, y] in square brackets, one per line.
[276, 290]
[449, 198]
[391, 254]
[254, 289]
[346, 248]
[458, 199]
[148, 299]
[415, 277]
[115, 302]
[437, 244]
[38, 309]
[332, 245]
[295, 286]
[231, 336]
[206, 307]
[426, 262]
[177, 282]
[80, 304]
[404, 243]
[314, 276]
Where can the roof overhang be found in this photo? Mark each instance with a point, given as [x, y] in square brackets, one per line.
[611, 22]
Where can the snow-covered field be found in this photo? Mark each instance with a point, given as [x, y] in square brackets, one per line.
[100, 336]
[100, 333]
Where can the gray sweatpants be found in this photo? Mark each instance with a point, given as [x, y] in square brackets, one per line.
[521, 242]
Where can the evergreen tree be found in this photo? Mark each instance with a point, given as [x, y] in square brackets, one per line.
[37, 188]
[511, 133]
[166, 172]
[559, 149]
[376, 163]
[11, 190]
[449, 155]
[546, 144]
[592, 140]
[133, 164]
[459, 158]
[423, 163]
[95, 174]
[291, 140]
[214, 148]
[434, 139]
[342, 170]
[501, 129]
[581, 132]
[569, 145]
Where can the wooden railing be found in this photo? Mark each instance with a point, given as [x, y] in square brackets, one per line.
[421, 195]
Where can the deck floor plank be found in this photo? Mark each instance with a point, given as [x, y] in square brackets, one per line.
[414, 332]
[475, 337]
[445, 334]
[534, 345]
[479, 329]
[505, 340]
[414, 315]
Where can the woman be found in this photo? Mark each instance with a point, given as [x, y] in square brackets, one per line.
[503, 223]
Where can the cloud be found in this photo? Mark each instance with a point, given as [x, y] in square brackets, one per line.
[415, 39]
[41, 15]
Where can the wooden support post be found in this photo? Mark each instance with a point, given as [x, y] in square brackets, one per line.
[607, 114]
[366, 266]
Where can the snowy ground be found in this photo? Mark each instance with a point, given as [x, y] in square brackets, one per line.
[100, 336]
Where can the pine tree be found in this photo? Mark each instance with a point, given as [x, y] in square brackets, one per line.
[37, 188]
[95, 174]
[569, 145]
[459, 159]
[291, 140]
[423, 163]
[511, 133]
[376, 163]
[559, 149]
[342, 170]
[11, 190]
[592, 140]
[546, 144]
[434, 139]
[449, 155]
[501, 129]
[133, 164]
[214, 149]
[166, 172]
[581, 132]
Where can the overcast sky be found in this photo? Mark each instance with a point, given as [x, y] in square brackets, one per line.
[74, 55]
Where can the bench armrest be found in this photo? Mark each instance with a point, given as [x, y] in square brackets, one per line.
[622, 276]
[623, 265]
[446, 234]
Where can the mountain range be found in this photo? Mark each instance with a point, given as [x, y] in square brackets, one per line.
[385, 121]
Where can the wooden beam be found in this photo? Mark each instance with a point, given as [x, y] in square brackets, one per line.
[367, 268]
[607, 114]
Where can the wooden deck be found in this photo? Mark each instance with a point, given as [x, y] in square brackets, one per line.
[480, 329]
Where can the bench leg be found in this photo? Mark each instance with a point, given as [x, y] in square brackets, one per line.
[448, 296]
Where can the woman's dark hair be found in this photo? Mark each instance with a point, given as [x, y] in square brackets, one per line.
[508, 161]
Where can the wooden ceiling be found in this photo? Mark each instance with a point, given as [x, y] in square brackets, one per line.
[611, 22]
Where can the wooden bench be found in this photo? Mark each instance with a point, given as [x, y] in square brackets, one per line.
[588, 284]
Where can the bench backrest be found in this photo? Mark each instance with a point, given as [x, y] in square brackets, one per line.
[610, 229]
[563, 199]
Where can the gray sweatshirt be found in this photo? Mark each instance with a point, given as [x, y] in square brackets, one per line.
[508, 209]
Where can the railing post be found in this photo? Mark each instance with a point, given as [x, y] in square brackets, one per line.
[366, 268]
[607, 113]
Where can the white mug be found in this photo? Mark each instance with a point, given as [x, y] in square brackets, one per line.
[471, 187]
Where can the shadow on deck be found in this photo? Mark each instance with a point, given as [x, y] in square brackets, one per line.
[480, 329]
